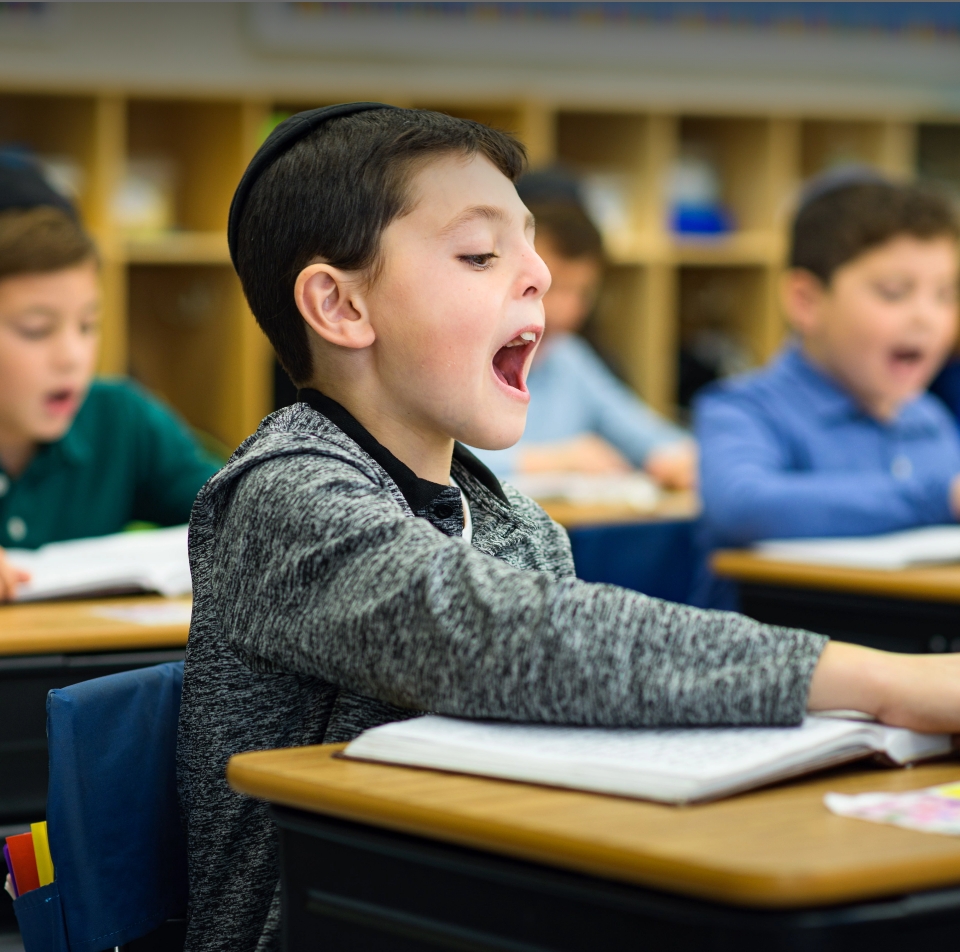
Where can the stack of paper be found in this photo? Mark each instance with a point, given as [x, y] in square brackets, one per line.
[674, 765]
[635, 490]
[898, 550]
[153, 561]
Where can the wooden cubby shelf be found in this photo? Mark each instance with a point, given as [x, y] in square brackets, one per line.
[174, 315]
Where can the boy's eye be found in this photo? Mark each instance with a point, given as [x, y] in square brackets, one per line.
[480, 262]
[91, 326]
[891, 292]
[34, 331]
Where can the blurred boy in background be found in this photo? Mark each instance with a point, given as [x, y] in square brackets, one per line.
[837, 436]
[581, 417]
[78, 457]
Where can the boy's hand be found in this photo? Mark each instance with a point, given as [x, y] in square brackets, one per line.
[588, 453]
[921, 692]
[674, 466]
[10, 578]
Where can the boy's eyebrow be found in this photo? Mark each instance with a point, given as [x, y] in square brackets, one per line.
[489, 213]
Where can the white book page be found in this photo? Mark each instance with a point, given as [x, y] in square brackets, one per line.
[671, 764]
[153, 561]
[896, 550]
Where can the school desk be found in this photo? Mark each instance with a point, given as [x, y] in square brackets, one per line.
[392, 858]
[915, 609]
[46, 645]
[651, 552]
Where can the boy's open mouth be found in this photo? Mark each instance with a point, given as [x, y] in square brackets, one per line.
[906, 357]
[509, 361]
[60, 401]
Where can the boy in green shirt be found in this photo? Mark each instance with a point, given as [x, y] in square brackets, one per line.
[78, 457]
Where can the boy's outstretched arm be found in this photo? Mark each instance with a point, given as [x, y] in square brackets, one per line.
[921, 692]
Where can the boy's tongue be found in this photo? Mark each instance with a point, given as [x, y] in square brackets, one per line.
[509, 360]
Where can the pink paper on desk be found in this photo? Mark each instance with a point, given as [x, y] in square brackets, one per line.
[931, 810]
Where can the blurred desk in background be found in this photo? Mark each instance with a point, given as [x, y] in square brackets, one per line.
[913, 610]
[649, 551]
[47, 645]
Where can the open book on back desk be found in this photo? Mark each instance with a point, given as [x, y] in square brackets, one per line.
[150, 561]
[672, 765]
[930, 545]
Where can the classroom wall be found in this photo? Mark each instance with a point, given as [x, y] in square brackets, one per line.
[637, 59]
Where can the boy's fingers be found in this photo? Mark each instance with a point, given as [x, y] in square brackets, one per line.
[10, 578]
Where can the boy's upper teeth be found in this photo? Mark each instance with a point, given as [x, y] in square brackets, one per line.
[522, 339]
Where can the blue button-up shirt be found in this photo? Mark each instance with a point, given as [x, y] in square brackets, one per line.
[572, 392]
[786, 452]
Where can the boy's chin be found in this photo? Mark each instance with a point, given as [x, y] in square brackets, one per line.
[482, 438]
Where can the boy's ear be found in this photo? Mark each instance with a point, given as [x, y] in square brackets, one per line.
[802, 294]
[332, 304]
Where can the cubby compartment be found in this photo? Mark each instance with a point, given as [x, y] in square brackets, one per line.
[620, 158]
[938, 155]
[826, 144]
[60, 131]
[186, 155]
[728, 323]
[628, 330]
[193, 342]
[735, 153]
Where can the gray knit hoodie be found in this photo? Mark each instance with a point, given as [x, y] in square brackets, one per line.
[332, 592]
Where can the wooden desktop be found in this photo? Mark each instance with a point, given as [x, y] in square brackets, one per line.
[428, 851]
[46, 645]
[915, 609]
[672, 506]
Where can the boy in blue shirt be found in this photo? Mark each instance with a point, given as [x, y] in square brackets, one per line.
[837, 436]
[78, 457]
[581, 417]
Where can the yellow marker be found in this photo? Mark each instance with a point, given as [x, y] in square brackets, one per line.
[41, 850]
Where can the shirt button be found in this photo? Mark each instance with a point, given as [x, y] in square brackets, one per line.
[443, 512]
[16, 528]
[901, 467]
[4, 484]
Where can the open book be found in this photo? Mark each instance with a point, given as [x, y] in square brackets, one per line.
[897, 550]
[673, 765]
[150, 561]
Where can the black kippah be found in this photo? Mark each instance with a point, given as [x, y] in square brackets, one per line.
[22, 185]
[287, 133]
[842, 176]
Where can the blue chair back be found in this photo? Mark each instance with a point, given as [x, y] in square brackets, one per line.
[656, 558]
[112, 811]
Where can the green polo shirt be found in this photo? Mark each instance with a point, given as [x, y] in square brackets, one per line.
[126, 458]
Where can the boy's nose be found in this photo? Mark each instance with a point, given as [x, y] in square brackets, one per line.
[538, 276]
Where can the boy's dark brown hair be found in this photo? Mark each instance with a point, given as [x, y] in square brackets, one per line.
[40, 240]
[568, 229]
[329, 198]
[834, 228]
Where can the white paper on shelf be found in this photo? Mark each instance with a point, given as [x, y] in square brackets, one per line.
[151, 561]
[897, 550]
[635, 490]
[673, 765]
